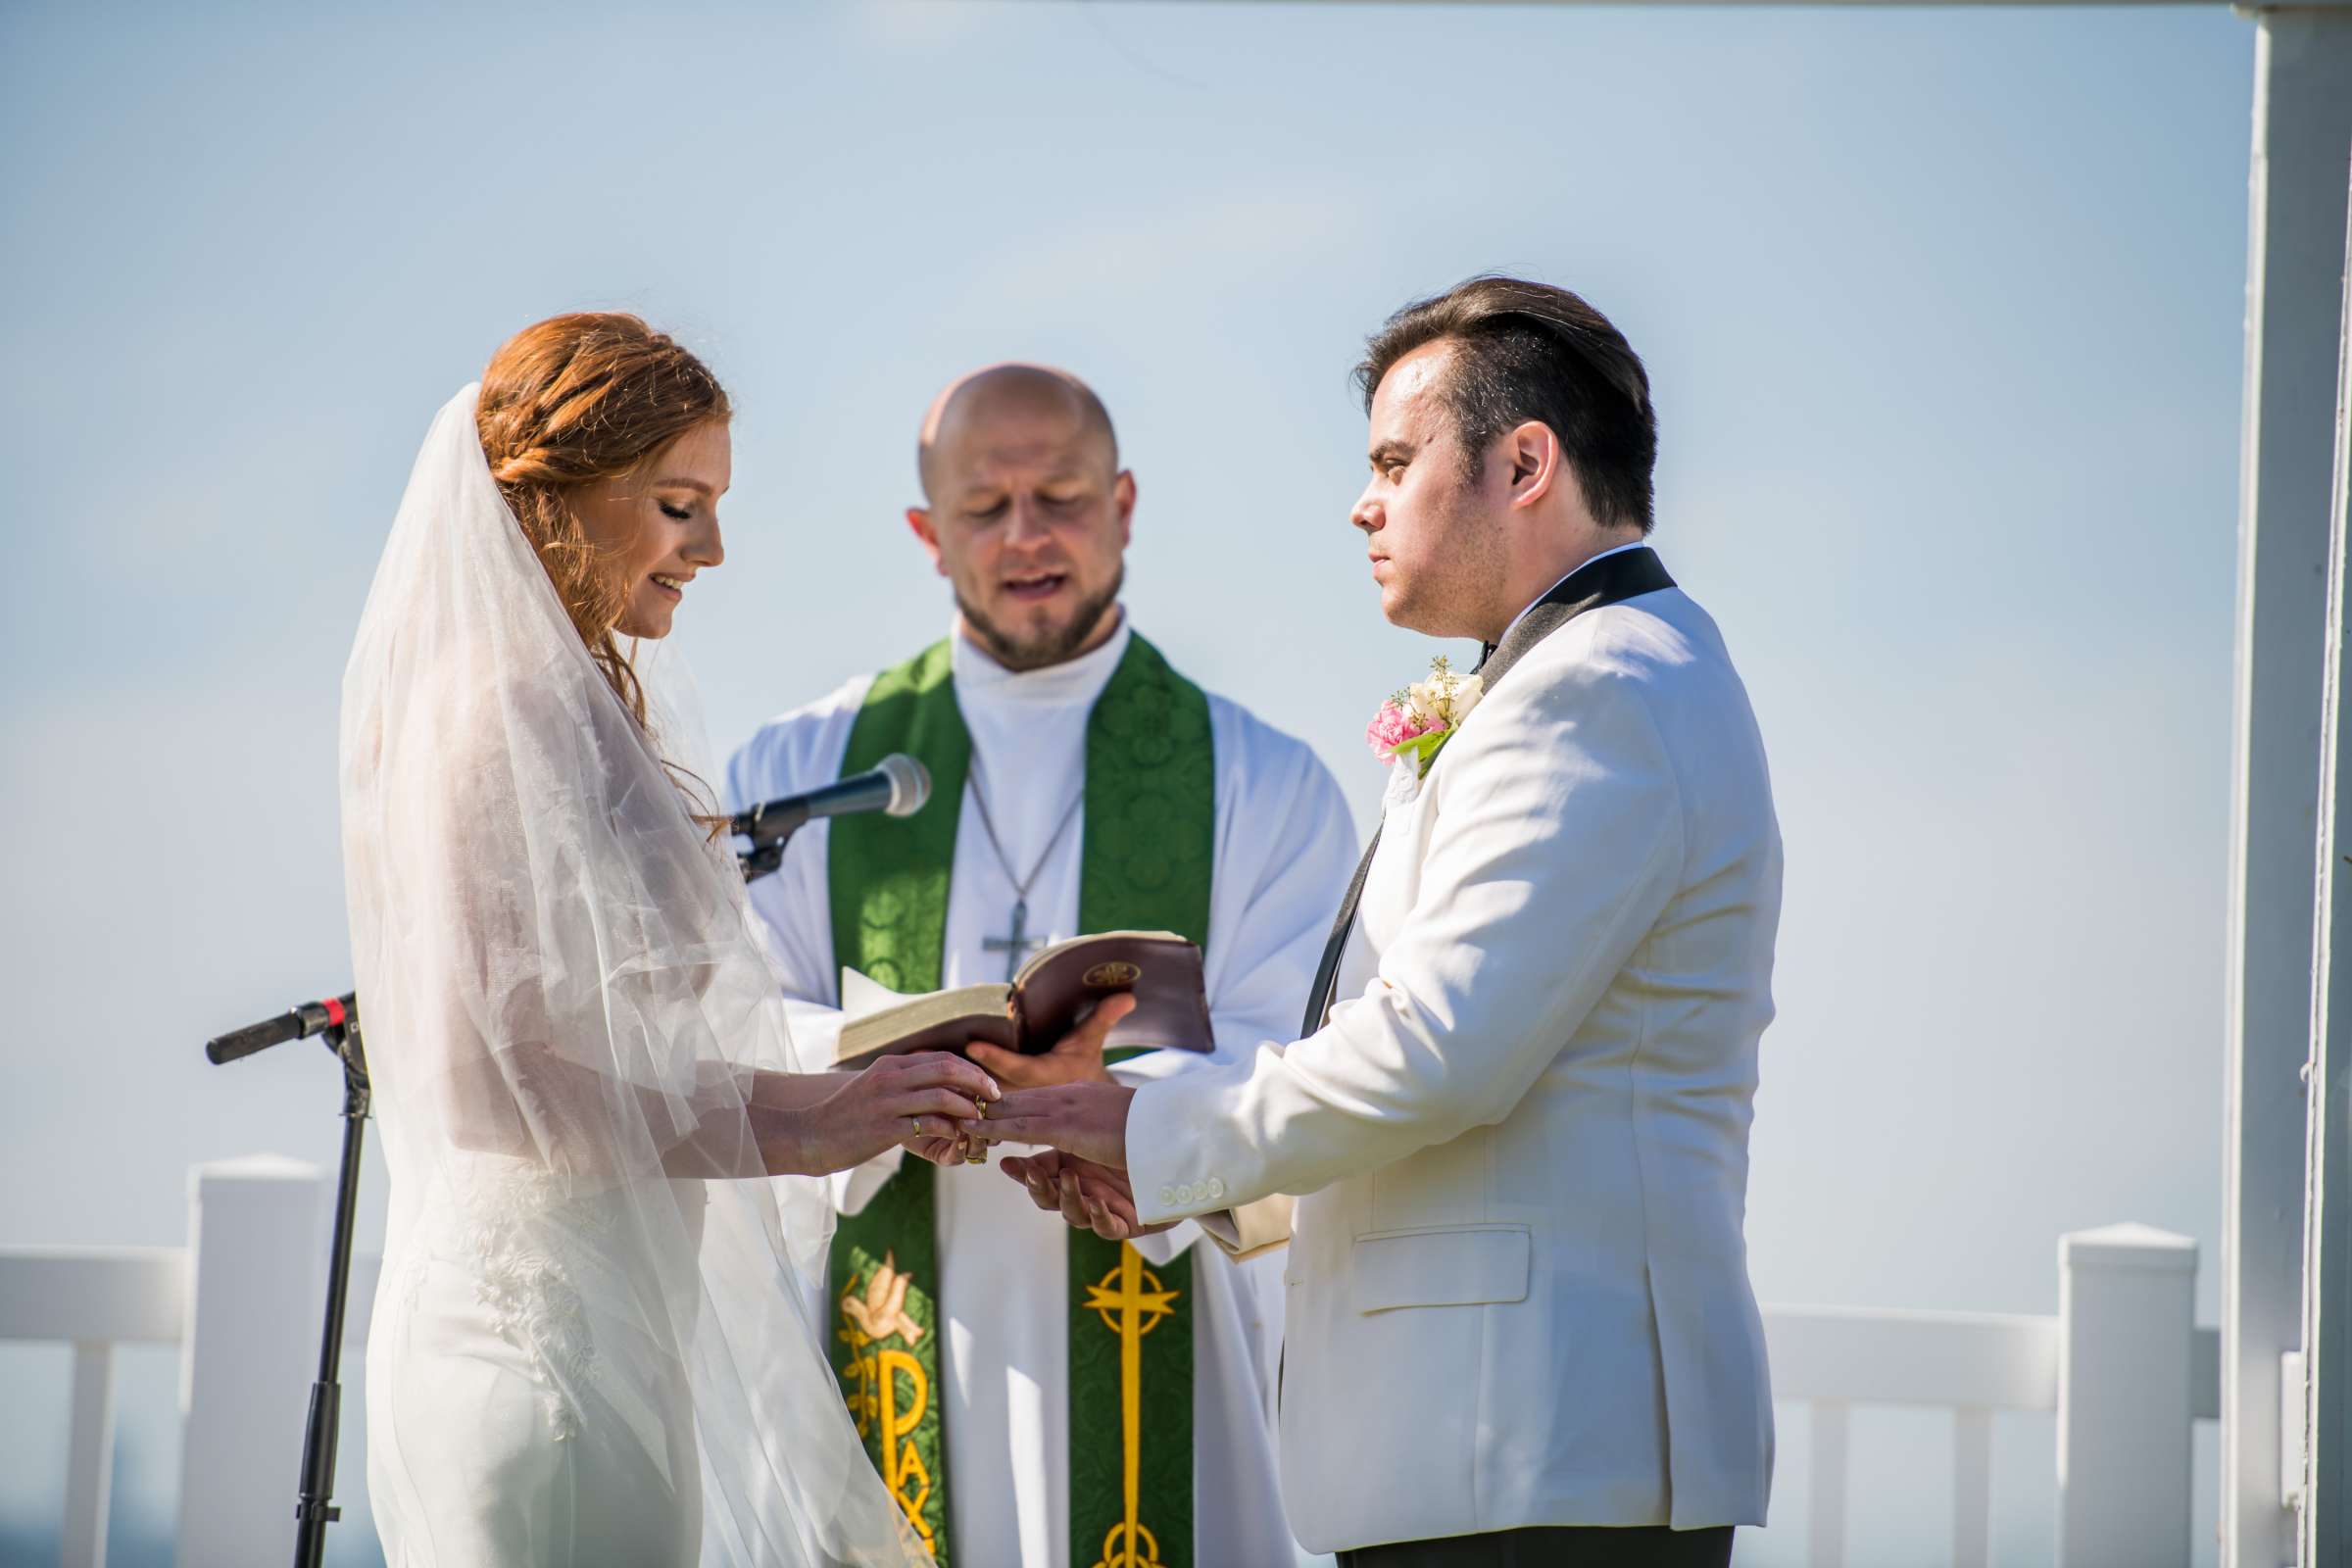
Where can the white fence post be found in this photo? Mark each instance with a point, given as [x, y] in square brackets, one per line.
[258, 1240]
[1826, 1539]
[2126, 1327]
[1971, 1488]
[89, 1456]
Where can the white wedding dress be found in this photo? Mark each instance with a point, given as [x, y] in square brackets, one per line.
[515, 1415]
[591, 1343]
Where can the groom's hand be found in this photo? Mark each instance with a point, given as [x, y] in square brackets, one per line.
[1088, 1196]
[1076, 1057]
[1089, 1120]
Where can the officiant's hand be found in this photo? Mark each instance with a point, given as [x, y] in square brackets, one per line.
[1076, 1057]
[1089, 1120]
[1089, 1196]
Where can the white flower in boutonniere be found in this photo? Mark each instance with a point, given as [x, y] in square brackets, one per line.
[1417, 721]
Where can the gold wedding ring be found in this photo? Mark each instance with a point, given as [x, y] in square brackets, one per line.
[915, 1124]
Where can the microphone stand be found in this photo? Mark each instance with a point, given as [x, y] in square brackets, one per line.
[766, 854]
[315, 1507]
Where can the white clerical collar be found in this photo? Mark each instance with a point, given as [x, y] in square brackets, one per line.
[1619, 550]
[1073, 683]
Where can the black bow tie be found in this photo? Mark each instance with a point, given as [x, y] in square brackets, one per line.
[1486, 651]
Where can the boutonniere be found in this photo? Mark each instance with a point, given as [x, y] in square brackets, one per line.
[1416, 723]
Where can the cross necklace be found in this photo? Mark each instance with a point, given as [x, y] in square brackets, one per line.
[1017, 945]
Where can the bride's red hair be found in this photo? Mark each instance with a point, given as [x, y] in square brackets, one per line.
[570, 401]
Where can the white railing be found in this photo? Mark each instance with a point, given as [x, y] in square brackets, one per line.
[2122, 1364]
[93, 1299]
[242, 1302]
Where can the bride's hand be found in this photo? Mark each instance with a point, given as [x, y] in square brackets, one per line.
[925, 1097]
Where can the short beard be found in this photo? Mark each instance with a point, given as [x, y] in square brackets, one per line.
[1055, 647]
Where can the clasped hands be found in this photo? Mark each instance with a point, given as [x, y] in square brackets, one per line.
[1065, 1098]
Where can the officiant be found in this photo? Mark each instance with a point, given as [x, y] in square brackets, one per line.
[1030, 1393]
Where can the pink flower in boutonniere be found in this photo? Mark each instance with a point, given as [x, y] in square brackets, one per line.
[1391, 728]
[1417, 721]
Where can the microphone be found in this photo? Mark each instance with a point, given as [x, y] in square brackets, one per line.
[898, 786]
[298, 1022]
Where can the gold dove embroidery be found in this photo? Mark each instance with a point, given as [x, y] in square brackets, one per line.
[882, 1311]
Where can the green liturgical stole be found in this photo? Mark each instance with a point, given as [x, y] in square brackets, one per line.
[1150, 826]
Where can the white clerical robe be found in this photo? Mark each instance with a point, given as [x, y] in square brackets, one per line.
[1285, 849]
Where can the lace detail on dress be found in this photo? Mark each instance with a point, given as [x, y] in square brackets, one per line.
[519, 1224]
[411, 1279]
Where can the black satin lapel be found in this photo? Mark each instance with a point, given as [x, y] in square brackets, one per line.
[1326, 972]
[1612, 579]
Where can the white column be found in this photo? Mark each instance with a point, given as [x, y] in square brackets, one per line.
[2321, 1466]
[258, 1276]
[2295, 237]
[2126, 1306]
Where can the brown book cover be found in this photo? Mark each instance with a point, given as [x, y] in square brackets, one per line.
[1054, 993]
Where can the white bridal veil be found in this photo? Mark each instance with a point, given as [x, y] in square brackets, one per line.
[564, 1009]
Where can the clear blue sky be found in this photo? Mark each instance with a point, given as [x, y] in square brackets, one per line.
[1942, 309]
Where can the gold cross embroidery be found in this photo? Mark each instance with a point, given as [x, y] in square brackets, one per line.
[1131, 1310]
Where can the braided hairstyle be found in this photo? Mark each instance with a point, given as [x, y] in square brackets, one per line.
[565, 403]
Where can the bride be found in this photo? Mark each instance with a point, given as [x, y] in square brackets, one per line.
[591, 1343]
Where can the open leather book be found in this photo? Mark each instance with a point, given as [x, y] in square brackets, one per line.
[1054, 993]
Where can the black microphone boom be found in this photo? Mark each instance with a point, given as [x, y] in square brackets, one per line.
[898, 786]
[337, 1018]
[295, 1024]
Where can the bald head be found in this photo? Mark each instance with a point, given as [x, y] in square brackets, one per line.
[1025, 511]
[1010, 411]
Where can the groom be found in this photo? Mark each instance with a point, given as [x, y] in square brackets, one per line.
[1520, 1326]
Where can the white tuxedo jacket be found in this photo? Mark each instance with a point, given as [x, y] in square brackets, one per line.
[1517, 1285]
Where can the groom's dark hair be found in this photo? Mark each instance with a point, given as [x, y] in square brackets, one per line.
[1528, 351]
